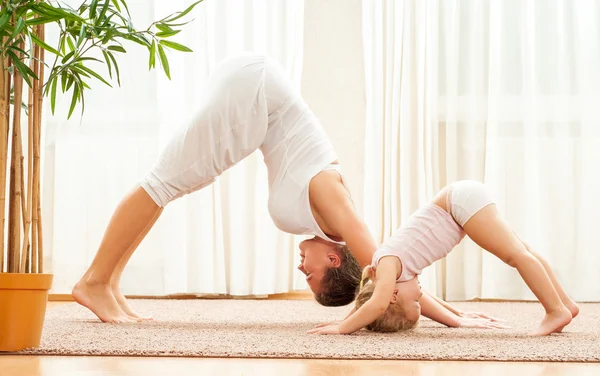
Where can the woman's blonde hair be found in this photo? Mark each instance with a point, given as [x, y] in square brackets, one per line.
[393, 319]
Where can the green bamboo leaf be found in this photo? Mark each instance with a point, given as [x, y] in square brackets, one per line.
[19, 27]
[4, 17]
[108, 36]
[139, 39]
[23, 69]
[42, 20]
[70, 42]
[88, 70]
[163, 60]
[93, 6]
[181, 14]
[42, 44]
[74, 100]
[167, 34]
[63, 80]
[18, 49]
[53, 94]
[70, 81]
[63, 45]
[103, 11]
[175, 46]
[78, 71]
[126, 7]
[152, 55]
[116, 4]
[112, 57]
[49, 10]
[81, 85]
[116, 48]
[82, 34]
[180, 24]
[89, 59]
[68, 56]
[164, 27]
[107, 63]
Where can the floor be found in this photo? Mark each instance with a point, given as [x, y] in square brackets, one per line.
[134, 366]
[117, 366]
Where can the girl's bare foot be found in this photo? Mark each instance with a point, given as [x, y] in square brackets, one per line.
[124, 304]
[573, 307]
[553, 322]
[98, 298]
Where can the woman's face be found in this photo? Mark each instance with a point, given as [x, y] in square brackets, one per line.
[316, 256]
[408, 294]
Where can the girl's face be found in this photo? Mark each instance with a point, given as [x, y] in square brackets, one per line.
[408, 294]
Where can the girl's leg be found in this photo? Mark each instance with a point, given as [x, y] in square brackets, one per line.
[568, 302]
[116, 277]
[132, 217]
[489, 231]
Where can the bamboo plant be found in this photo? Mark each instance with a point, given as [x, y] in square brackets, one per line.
[32, 69]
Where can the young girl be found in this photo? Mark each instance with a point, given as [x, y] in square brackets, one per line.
[390, 294]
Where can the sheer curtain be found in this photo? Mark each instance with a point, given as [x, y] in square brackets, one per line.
[501, 92]
[220, 240]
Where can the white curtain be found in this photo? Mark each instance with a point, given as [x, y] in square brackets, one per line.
[220, 240]
[504, 92]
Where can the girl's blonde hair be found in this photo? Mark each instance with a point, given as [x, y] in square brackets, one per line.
[393, 319]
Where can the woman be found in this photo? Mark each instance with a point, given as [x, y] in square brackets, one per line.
[249, 104]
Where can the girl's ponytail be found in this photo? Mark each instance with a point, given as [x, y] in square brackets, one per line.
[365, 275]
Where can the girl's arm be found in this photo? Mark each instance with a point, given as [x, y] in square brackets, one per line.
[432, 309]
[460, 313]
[374, 307]
[435, 311]
[444, 304]
[380, 300]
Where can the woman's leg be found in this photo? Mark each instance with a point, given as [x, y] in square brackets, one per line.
[116, 276]
[230, 125]
[132, 218]
[489, 231]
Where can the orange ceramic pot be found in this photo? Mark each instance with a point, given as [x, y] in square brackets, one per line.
[23, 300]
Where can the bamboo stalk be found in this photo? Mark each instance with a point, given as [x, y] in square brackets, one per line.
[14, 219]
[8, 85]
[26, 251]
[36, 157]
[4, 103]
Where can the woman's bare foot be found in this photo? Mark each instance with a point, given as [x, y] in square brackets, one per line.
[553, 322]
[124, 304]
[99, 299]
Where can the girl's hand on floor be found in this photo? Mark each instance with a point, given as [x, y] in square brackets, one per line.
[328, 323]
[480, 315]
[328, 329]
[480, 323]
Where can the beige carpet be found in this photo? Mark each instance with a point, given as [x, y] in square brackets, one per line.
[277, 328]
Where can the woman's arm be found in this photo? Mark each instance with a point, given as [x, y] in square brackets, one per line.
[334, 206]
